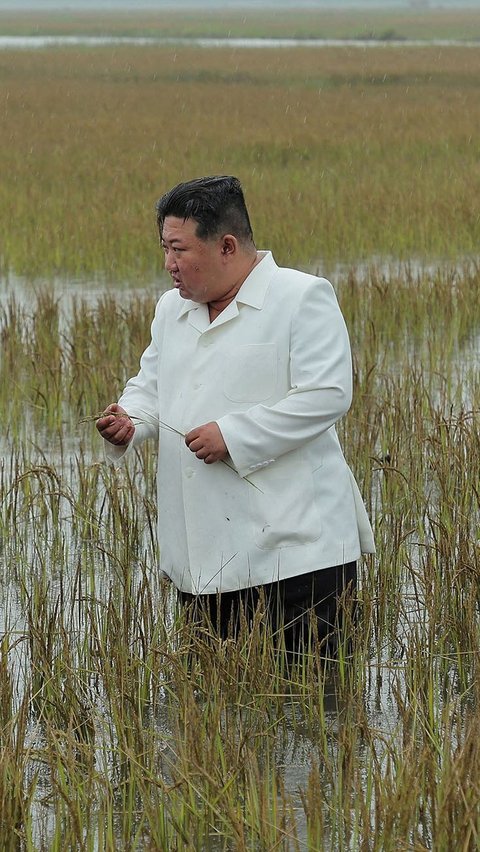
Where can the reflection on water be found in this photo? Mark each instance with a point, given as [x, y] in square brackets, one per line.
[35, 42]
[23, 290]
[68, 546]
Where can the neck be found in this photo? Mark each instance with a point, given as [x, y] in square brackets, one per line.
[219, 305]
[216, 306]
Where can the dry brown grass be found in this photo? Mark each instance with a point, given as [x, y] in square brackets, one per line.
[298, 22]
[343, 153]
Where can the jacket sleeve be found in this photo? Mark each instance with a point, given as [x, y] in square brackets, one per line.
[320, 392]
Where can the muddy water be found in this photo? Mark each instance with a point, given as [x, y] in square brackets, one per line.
[38, 42]
[294, 755]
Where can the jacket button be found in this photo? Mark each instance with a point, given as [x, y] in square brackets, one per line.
[189, 472]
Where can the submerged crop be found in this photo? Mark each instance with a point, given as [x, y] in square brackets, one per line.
[120, 727]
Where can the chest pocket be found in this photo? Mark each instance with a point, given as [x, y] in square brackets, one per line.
[250, 372]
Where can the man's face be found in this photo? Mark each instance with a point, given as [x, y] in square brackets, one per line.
[194, 264]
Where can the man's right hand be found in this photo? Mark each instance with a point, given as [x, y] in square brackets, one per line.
[116, 426]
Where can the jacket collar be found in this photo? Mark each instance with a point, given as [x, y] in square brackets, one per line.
[252, 292]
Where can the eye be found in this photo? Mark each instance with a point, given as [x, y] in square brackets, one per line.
[175, 249]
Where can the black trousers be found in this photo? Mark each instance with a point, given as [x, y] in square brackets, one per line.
[314, 609]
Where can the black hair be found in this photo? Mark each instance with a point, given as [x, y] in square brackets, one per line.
[215, 203]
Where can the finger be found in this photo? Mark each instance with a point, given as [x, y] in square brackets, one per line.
[110, 424]
[110, 410]
[191, 436]
[110, 416]
[115, 408]
[123, 434]
[120, 432]
[104, 423]
[120, 442]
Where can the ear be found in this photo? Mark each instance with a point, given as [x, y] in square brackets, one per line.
[229, 246]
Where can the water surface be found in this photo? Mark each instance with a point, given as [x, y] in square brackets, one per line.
[42, 41]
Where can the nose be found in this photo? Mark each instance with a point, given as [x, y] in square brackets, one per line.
[170, 261]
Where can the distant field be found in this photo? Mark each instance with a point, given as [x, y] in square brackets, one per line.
[122, 725]
[299, 23]
[345, 154]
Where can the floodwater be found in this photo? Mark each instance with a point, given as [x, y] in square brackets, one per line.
[67, 289]
[41, 41]
[295, 754]
[90, 289]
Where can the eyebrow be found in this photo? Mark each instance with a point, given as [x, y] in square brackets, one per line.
[172, 241]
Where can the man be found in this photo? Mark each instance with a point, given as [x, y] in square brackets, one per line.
[247, 371]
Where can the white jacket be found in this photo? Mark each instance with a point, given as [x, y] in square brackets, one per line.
[274, 371]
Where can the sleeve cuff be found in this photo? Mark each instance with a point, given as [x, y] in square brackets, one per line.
[116, 454]
[242, 464]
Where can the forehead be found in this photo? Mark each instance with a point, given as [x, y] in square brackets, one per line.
[179, 230]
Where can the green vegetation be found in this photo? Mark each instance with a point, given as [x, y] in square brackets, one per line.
[122, 728]
[344, 153]
[285, 23]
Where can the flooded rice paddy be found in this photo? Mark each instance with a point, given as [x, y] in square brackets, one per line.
[111, 737]
[42, 41]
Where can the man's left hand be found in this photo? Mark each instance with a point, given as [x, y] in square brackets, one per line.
[207, 443]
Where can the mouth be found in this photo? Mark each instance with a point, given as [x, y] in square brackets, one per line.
[179, 285]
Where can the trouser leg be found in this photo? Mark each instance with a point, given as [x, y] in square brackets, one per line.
[314, 609]
[222, 613]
